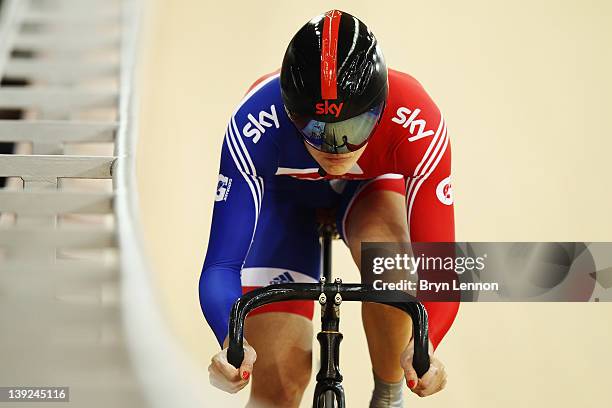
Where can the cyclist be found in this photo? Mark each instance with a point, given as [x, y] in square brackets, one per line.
[333, 128]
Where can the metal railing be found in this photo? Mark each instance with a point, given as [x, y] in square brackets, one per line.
[75, 286]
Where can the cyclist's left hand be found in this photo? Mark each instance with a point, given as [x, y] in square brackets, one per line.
[433, 380]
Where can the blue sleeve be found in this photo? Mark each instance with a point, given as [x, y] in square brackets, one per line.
[249, 155]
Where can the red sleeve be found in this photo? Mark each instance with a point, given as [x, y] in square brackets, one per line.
[424, 158]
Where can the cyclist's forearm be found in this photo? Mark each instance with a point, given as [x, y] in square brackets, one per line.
[219, 289]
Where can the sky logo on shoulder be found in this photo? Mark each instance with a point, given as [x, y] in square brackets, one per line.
[257, 126]
[284, 277]
[406, 118]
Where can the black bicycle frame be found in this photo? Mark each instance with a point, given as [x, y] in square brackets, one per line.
[330, 296]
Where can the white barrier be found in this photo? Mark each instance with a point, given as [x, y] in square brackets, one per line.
[68, 274]
[169, 378]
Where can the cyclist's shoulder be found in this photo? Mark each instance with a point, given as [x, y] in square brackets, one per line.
[259, 126]
[412, 119]
[265, 91]
[409, 105]
[260, 115]
[402, 77]
[405, 87]
[269, 79]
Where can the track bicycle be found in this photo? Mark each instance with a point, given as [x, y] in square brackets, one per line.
[329, 392]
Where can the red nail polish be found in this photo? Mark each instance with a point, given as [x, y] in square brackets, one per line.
[411, 384]
[245, 375]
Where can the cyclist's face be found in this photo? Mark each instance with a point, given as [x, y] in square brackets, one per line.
[335, 164]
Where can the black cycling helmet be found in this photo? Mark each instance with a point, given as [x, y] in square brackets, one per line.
[334, 82]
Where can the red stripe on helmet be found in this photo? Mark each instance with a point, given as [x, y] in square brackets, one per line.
[329, 55]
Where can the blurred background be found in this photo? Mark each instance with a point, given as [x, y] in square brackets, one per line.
[108, 174]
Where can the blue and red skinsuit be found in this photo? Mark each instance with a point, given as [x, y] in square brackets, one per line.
[263, 228]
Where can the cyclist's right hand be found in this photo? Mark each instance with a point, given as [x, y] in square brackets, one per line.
[228, 378]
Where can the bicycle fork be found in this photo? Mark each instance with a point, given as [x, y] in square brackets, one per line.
[329, 379]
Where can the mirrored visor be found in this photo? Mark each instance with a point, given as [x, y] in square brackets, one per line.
[339, 137]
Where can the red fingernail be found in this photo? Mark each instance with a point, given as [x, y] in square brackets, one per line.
[245, 375]
[411, 383]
